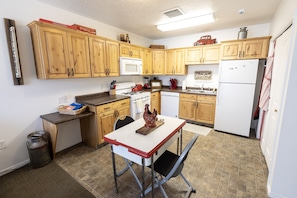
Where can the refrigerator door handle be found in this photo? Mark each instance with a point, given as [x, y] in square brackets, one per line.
[218, 95]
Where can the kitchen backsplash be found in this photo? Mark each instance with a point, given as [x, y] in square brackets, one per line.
[190, 77]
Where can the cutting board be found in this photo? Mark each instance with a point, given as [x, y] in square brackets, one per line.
[146, 130]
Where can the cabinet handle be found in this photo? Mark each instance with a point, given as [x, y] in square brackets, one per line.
[68, 72]
[72, 72]
[242, 54]
[106, 108]
[239, 54]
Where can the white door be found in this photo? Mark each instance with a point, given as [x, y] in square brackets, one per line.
[279, 78]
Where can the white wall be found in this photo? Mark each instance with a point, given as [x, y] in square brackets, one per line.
[22, 105]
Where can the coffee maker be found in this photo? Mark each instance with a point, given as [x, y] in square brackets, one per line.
[146, 84]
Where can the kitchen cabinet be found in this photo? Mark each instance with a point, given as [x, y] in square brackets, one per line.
[59, 52]
[147, 61]
[105, 116]
[128, 50]
[196, 107]
[252, 48]
[175, 62]
[206, 54]
[158, 62]
[112, 67]
[97, 56]
[155, 101]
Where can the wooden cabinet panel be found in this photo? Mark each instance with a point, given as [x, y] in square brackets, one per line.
[199, 108]
[175, 62]
[206, 54]
[97, 56]
[112, 58]
[245, 48]
[79, 55]
[158, 62]
[147, 61]
[155, 101]
[128, 50]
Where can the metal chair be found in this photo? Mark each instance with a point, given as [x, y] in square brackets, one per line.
[120, 122]
[170, 165]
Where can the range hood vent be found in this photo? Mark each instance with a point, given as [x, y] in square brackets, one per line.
[173, 12]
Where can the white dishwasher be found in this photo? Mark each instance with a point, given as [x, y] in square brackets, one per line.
[169, 104]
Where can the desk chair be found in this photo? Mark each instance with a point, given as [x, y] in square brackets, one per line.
[120, 122]
[170, 165]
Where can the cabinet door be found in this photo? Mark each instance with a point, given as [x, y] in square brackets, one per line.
[112, 58]
[158, 62]
[79, 55]
[97, 56]
[211, 54]
[193, 55]
[169, 61]
[155, 101]
[230, 51]
[205, 112]
[125, 50]
[135, 51]
[106, 121]
[147, 59]
[180, 68]
[51, 57]
[255, 48]
[187, 106]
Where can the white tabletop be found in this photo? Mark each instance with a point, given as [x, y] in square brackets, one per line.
[145, 145]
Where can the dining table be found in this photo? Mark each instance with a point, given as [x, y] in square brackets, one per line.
[144, 145]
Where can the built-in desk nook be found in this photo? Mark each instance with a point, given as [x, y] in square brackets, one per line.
[52, 120]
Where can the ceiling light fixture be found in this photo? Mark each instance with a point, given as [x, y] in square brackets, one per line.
[190, 22]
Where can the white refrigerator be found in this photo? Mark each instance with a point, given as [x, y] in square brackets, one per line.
[235, 96]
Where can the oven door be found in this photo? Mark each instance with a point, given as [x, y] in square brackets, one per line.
[137, 107]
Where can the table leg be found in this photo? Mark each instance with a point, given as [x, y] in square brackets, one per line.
[153, 174]
[143, 177]
[114, 169]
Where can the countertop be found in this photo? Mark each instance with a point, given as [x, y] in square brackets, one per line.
[99, 98]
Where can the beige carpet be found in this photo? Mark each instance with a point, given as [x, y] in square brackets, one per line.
[202, 130]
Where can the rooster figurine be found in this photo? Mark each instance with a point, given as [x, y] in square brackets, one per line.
[149, 117]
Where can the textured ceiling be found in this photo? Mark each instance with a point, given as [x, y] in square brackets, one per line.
[142, 16]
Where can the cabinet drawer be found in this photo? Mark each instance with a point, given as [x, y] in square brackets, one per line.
[206, 98]
[154, 95]
[113, 105]
[188, 97]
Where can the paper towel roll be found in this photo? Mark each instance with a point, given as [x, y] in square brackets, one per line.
[184, 87]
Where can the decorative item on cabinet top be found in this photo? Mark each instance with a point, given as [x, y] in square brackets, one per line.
[205, 40]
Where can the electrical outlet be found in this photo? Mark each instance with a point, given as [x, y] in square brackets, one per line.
[62, 99]
[2, 144]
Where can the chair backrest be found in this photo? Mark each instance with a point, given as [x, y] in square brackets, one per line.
[122, 121]
[179, 164]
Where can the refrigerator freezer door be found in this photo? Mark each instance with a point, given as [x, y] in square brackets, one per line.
[243, 71]
[234, 108]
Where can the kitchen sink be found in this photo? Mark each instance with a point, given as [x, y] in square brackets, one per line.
[199, 91]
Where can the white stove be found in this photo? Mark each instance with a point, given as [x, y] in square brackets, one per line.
[138, 99]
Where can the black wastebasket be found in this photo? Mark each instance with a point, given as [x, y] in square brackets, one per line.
[39, 148]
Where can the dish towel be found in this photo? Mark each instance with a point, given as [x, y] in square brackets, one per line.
[139, 106]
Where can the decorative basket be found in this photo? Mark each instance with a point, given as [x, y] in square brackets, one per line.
[65, 110]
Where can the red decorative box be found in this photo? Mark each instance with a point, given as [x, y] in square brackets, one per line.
[56, 23]
[84, 29]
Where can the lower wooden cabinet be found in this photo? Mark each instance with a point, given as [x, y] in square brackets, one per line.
[155, 101]
[105, 116]
[199, 108]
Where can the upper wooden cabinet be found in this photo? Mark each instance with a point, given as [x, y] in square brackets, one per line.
[112, 67]
[97, 56]
[175, 62]
[147, 61]
[158, 62]
[128, 50]
[59, 53]
[205, 54]
[245, 48]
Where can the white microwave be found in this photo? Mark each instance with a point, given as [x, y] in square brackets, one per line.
[130, 66]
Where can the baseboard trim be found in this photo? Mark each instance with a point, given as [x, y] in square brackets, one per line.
[14, 167]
